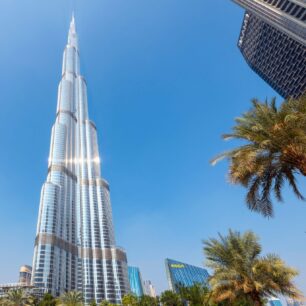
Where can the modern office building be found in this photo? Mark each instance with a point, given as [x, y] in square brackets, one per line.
[288, 16]
[25, 274]
[75, 245]
[149, 289]
[273, 42]
[135, 280]
[182, 274]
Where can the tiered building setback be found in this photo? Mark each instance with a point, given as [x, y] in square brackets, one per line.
[75, 245]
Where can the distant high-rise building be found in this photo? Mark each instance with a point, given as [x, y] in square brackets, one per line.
[24, 282]
[149, 288]
[135, 279]
[25, 274]
[275, 302]
[182, 274]
[273, 43]
[75, 245]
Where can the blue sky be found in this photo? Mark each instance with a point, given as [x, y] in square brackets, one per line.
[165, 80]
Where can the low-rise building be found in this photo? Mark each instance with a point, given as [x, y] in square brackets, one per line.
[182, 274]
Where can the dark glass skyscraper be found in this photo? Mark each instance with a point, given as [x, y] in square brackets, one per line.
[75, 245]
[136, 283]
[288, 16]
[182, 274]
[273, 43]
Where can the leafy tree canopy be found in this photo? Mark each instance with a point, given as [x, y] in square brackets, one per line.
[241, 273]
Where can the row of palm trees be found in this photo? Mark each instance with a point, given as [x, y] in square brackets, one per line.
[20, 297]
[274, 153]
[241, 276]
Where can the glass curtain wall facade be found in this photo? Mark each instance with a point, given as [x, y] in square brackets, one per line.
[272, 41]
[182, 274]
[75, 245]
[135, 280]
[274, 56]
[288, 16]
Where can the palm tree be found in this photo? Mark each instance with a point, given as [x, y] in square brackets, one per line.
[274, 152]
[71, 298]
[2, 302]
[147, 300]
[104, 303]
[107, 303]
[16, 297]
[170, 298]
[198, 294]
[32, 301]
[48, 300]
[129, 300]
[241, 273]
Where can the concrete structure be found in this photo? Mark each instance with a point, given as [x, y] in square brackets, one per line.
[75, 245]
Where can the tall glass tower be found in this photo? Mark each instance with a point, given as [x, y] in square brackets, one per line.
[75, 245]
[135, 280]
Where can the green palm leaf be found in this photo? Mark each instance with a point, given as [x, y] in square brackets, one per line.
[274, 151]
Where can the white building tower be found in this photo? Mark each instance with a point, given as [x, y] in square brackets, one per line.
[75, 245]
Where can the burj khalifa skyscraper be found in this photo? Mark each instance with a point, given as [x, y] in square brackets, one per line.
[75, 246]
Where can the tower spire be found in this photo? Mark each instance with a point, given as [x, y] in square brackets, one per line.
[72, 36]
[72, 23]
[75, 246]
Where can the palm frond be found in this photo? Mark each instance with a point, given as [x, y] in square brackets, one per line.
[275, 151]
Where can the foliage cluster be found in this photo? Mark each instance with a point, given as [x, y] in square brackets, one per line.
[274, 151]
[241, 276]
